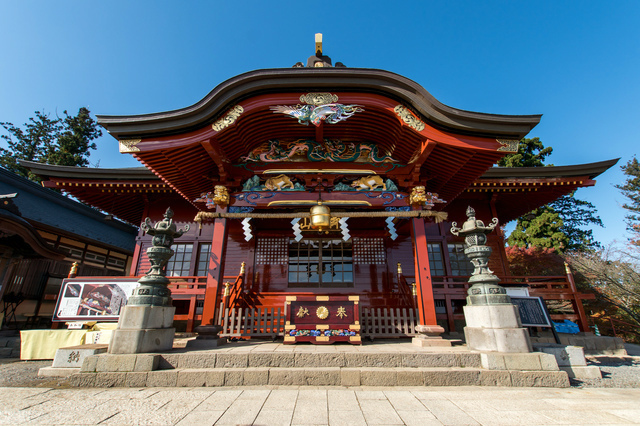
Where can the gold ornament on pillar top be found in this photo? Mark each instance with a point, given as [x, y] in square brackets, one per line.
[242, 267]
[220, 196]
[418, 196]
[399, 268]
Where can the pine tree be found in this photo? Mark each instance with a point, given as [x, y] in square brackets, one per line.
[531, 153]
[631, 190]
[63, 141]
[558, 225]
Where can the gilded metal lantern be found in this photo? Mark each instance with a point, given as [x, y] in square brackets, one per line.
[320, 217]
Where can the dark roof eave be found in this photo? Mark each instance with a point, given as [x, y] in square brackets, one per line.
[126, 173]
[258, 82]
[590, 169]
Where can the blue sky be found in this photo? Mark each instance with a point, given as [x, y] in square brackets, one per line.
[575, 62]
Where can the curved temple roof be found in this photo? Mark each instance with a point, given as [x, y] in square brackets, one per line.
[361, 80]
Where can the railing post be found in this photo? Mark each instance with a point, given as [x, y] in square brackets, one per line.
[576, 301]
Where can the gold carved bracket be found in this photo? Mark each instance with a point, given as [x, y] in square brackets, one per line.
[129, 145]
[229, 119]
[408, 118]
[508, 145]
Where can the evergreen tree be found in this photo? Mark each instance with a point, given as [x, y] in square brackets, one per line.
[63, 141]
[531, 153]
[557, 225]
[631, 190]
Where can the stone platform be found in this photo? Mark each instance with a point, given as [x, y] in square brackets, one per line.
[252, 363]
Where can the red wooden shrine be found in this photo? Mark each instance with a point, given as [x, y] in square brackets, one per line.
[245, 165]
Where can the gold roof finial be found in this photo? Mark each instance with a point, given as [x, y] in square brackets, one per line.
[318, 44]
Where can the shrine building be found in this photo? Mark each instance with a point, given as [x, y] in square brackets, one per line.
[324, 180]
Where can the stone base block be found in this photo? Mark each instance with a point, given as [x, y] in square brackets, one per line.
[141, 341]
[204, 344]
[425, 341]
[146, 317]
[73, 356]
[566, 356]
[534, 361]
[492, 316]
[57, 371]
[582, 372]
[508, 340]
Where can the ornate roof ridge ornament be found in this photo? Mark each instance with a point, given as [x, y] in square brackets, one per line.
[317, 99]
[319, 107]
[508, 145]
[229, 119]
[129, 145]
[408, 118]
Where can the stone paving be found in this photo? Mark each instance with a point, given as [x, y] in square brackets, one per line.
[320, 406]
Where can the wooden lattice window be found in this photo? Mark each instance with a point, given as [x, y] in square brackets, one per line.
[369, 251]
[180, 264]
[459, 262]
[318, 262]
[204, 253]
[272, 251]
[436, 261]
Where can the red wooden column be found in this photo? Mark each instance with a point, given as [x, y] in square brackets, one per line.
[426, 304]
[215, 273]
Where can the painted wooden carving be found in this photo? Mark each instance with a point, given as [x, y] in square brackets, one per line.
[307, 150]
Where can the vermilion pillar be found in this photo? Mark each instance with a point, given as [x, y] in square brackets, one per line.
[429, 329]
[215, 273]
[426, 303]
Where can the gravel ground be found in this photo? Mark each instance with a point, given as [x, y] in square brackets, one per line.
[617, 372]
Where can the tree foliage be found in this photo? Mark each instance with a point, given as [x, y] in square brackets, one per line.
[565, 224]
[614, 275]
[631, 190]
[534, 261]
[531, 153]
[65, 141]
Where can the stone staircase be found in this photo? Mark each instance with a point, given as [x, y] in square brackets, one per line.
[317, 366]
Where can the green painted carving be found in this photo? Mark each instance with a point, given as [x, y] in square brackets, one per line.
[306, 150]
[275, 183]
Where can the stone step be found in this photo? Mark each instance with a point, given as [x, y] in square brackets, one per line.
[213, 359]
[321, 376]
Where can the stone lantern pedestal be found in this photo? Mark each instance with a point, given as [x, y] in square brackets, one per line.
[146, 322]
[493, 322]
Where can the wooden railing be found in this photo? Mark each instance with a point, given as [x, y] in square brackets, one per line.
[251, 322]
[388, 322]
[190, 288]
[559, 287]
[270, 322]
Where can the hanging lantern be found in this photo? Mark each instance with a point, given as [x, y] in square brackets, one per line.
[320, 217]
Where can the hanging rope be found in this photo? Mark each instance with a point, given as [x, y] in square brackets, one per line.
[210, 216]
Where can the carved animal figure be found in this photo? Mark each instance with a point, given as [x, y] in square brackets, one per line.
[369, 182]
[220, 195]
[418, 195]
[278, 183]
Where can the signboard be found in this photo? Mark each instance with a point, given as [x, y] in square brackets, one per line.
[93, 300]
[533, 311]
